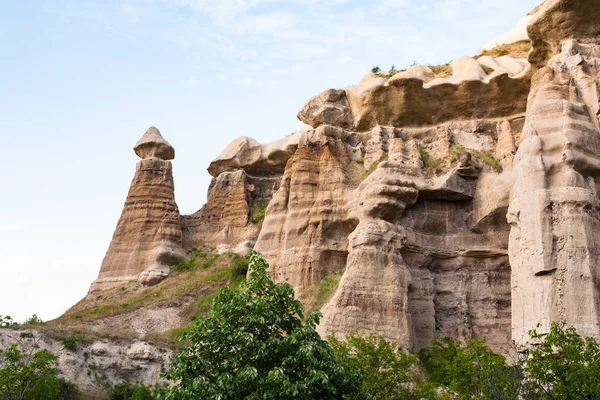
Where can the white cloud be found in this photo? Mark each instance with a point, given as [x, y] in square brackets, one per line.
[269, 23]
[8, 227]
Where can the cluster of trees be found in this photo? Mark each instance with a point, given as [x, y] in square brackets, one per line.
[259, 344]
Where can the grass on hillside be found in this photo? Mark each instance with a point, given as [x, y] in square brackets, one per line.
[515, 50]
[438, 165]
[203, 274]
[482, 155]
[441, 71]
[316, 296]
[259, 213]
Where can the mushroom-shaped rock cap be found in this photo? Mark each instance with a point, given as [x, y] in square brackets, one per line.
[152, 144]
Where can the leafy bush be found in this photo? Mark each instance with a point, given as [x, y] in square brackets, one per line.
[68, 390]
[564, 366]
[7, 322]
[34, 320]
[471, 371]
[375, 70]
[29, 376]
[240, 267]
[72, 342]
[255, 345]
[429, 162]
[391, 374]
[127, 391]
[259, 213]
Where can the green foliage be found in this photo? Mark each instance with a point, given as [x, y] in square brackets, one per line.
[375, 70]
[433, 164]
[72, 341]
[391, 374]
[7, 322]
[482, 155]
[196, 258]
[30, 376]
[240, 267]
[127, 391]
[487, 70]
[259, 213]
[255, 346]
[68, 390]
[374, 166]
[34, 320]
[316, 296]
[472, 372]
[441, 71]
[393, 68]
[564, 366]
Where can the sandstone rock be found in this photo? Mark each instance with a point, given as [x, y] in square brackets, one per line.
[148, 237]
[142, 351]
[328, 108]
[96, 366]
[422, 72]
[152, 144]
[554, 206]
[517, 34]
[463, 206]
[99, 349]
[405, 101]
[247, 154]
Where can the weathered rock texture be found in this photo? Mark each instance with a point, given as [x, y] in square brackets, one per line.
[97, 366]
[404, 182]
[554, 208]
[148, 238]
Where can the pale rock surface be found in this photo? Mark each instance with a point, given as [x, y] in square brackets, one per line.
[517, 34]
[99, 365]
[405, 100]
[554, 208]
[148, 237]
[152, 144]
[463, 206]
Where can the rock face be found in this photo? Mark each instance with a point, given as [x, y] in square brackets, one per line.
[555, 208]
[148, 238]
[459, 200]
[98, 365]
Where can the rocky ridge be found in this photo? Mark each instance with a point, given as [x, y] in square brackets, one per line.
[458, 201]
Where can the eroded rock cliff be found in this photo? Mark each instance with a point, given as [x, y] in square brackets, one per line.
[402, 185]
[148, 237]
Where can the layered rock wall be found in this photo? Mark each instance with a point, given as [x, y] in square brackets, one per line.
[457, 201]
[148, 237]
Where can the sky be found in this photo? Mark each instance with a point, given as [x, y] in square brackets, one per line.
[82, 80]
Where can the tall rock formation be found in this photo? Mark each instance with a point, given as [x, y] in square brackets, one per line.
[148, 237]
[554, 207]
[459, 200]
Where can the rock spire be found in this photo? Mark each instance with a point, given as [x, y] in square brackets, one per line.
[148, 238]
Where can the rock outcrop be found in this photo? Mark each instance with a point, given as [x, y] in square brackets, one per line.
[458, 200]
[98, 365]
[148, 237]
[555, 208]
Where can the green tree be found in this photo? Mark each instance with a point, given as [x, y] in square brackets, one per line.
[7, 321]
[127, 391]
[391, 373]
[28, 376]
[255, 346]
[563, 366]
[472, 371]
[375, 70]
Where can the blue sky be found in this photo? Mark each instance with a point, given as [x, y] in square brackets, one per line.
[81, 81]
